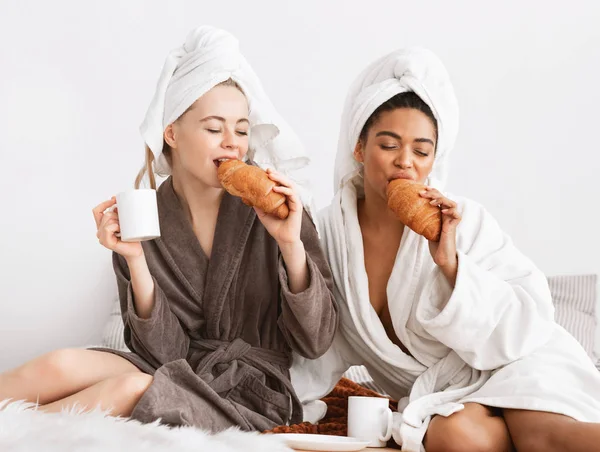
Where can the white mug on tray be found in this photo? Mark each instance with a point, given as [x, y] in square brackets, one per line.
[370, 419]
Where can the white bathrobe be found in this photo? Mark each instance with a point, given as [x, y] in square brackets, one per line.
[494, 342]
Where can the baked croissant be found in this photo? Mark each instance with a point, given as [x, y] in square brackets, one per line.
[413, 210]
[253, 185]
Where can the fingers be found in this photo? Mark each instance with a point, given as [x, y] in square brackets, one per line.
[437, 199]
[276, 176]
[260, 213]
[113, 228]
[430, 192]
[106, 222]
[106, 235]
[443, 203]
[284, 190]
[287, 188]
[98, 211]
[449, 208]
[108, 228]
[290, 193]
[453, 214]
[108, 218]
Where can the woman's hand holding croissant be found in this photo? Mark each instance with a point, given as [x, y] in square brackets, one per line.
[285, 232]
[444, 252]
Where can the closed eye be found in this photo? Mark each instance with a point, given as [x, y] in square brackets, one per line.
[387, 148]
[421, 153]
[242, 133]
[213, 130]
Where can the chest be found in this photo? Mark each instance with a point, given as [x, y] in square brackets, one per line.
[380, 256]
[379, 263]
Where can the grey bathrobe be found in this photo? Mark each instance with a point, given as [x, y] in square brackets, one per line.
[219, 338]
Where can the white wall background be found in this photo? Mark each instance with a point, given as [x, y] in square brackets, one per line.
[76, 78]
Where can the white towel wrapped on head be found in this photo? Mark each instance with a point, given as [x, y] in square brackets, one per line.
[412, 69]
[208, 57]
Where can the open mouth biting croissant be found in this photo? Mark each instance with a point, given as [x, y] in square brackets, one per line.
[413, 210]
[253, 185]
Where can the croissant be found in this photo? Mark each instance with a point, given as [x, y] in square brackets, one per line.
[253, 185]
[413, 210]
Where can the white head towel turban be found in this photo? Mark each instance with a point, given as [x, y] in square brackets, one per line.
[208, 57]
[411, 69]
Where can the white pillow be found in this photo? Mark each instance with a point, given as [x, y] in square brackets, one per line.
[575, 303]
[360, 375]
[112, 335]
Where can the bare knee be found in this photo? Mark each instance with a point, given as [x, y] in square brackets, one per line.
[460, 434]
[131, 385]
[121, 394]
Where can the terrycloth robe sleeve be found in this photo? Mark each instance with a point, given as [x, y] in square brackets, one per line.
[309, 319]
[500, 308]
[160, 338]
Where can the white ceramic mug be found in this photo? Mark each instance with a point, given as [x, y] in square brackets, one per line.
[370, 419]
[138, 215]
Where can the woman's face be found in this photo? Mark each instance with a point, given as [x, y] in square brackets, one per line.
[215, 127]
[400, 144]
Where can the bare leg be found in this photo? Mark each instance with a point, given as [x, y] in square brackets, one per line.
[542, 431]
[118, 394]
[60, 374]
[476, 428]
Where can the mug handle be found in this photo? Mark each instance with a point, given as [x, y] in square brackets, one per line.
[388, 431]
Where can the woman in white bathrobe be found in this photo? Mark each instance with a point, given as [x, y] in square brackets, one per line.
[462, 331]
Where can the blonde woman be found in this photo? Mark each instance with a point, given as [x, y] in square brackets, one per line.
[213, 308]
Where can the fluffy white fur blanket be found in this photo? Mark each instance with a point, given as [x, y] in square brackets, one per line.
[23, 428]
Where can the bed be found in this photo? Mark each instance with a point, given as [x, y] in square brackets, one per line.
[21, 429]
